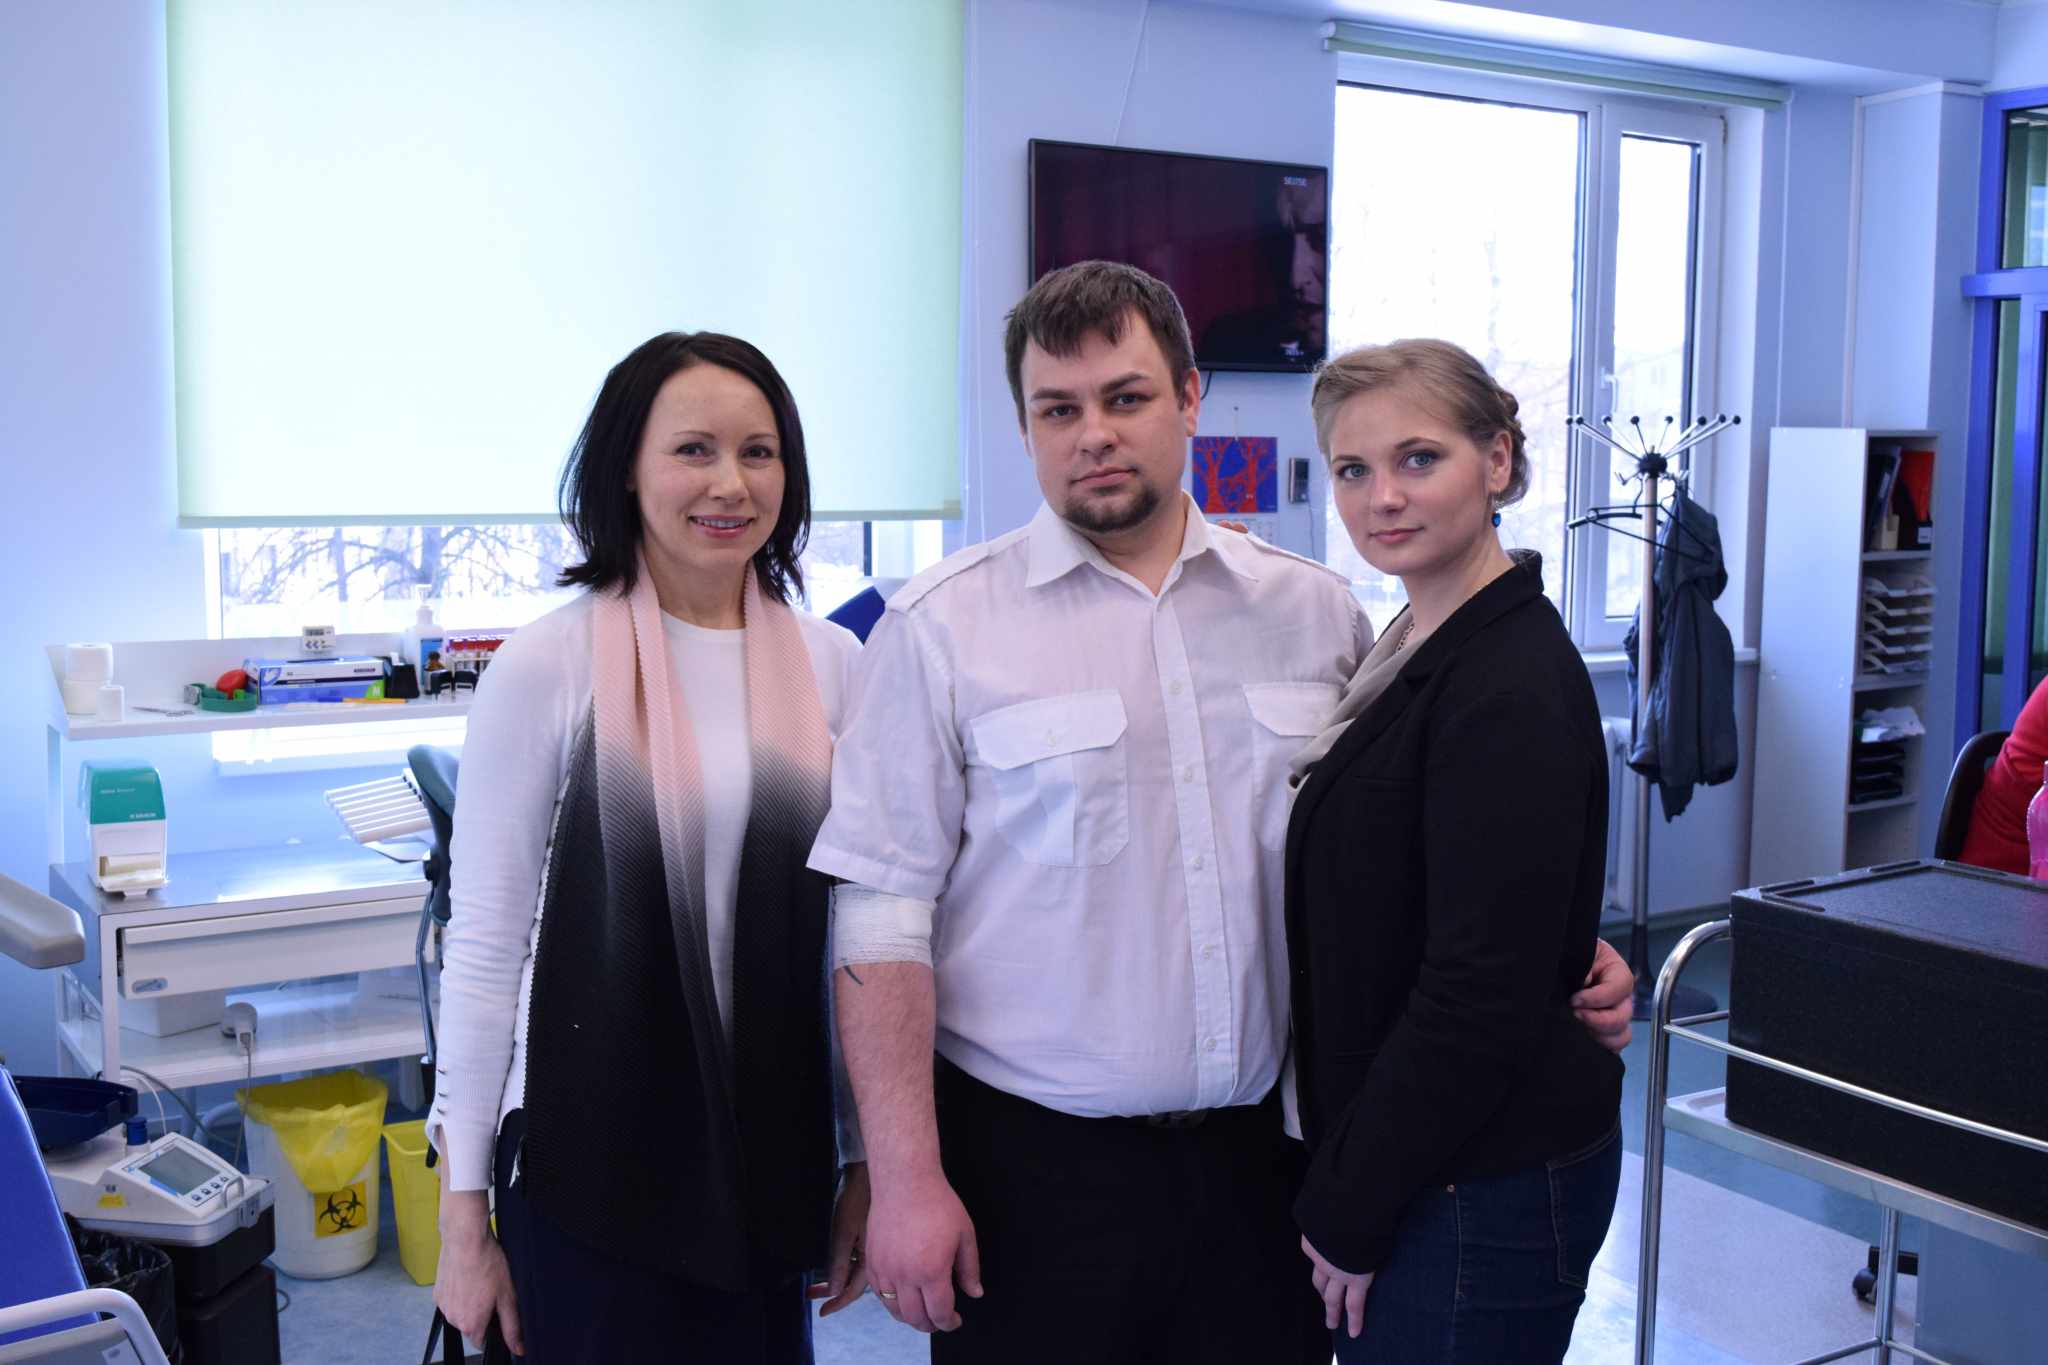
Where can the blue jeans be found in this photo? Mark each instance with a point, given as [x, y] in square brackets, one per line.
[1491, 1272]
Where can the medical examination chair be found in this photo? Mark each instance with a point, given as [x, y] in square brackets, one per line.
[47, 1314]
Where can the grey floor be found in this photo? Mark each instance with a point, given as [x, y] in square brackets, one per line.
[1756, 1263]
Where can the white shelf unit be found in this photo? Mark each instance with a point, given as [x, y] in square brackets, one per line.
[153, 673]
[238, 919]
[1812, 682]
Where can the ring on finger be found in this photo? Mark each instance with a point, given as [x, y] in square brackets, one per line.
[885, 1293]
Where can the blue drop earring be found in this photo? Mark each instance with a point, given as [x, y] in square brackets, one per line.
[1496, 518]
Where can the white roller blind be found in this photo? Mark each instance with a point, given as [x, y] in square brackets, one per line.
[410, 238]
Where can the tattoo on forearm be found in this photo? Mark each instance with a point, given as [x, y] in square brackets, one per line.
[855, 975]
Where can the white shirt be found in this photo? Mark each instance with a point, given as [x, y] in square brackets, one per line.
[515, 763]
[1089, 781]
[713, 665]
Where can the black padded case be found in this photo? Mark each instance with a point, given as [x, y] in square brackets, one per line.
[1927, 981]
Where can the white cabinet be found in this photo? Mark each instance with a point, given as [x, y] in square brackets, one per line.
[1847, 627]
[318, 938]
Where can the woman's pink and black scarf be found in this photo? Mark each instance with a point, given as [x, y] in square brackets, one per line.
[651, 1134]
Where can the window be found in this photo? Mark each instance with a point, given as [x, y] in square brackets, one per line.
[409, 240]
[1555, 235]
[271, 581]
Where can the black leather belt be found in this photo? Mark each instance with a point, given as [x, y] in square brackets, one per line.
[1177, 1118]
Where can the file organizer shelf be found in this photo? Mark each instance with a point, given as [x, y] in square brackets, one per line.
[1848, 626]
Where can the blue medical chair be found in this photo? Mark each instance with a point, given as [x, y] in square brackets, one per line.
[47, 1314]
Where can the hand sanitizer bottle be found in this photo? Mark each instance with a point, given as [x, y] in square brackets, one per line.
[424, 640]
[2037, 833]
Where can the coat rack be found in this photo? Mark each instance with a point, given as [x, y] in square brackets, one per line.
[1651, 462]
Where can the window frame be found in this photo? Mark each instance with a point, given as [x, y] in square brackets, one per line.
[1605, 121]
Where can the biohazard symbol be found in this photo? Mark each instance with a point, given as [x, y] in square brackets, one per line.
[341, 1211]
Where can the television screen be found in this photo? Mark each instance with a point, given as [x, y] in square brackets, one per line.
[1241, 242]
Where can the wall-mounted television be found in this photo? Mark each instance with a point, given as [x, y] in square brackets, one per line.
[1243, 243]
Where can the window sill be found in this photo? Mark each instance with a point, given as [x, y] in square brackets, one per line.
[331, 748]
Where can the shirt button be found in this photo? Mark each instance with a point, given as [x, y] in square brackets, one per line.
[1174, 687]
[1208, 950]
[1187, 774]
[1197, 864]
[1208, 1045]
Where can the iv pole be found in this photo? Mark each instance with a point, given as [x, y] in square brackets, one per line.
[1651, 466]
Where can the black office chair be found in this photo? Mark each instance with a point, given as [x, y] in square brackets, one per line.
[433, 774]
[1965, 780]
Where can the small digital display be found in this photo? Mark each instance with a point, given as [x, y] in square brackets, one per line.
[178, 1170]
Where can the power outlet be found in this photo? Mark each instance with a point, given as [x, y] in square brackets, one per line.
[1265, 528]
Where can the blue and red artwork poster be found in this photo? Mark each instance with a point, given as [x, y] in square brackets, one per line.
[1237, 474]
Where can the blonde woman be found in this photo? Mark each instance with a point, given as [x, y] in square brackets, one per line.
[1444, 869]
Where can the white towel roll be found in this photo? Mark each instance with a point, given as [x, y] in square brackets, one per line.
[89, 662]
[81, 696]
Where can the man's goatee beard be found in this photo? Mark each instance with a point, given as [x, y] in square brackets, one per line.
[1109, 520]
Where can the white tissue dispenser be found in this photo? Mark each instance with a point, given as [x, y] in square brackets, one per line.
[123, 802]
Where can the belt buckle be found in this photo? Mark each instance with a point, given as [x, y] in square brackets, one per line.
[1178, 1119]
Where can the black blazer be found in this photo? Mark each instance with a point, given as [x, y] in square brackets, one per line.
[1445, 863]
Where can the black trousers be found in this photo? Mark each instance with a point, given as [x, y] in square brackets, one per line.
[577, 1304]
[1113, 1242]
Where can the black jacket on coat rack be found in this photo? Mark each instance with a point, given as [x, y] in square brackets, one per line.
[1690, 740]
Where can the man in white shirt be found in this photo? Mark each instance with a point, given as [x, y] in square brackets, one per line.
[1059, 804]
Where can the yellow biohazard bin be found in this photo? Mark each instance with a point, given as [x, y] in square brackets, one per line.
[415, 1198]
[315, 1139]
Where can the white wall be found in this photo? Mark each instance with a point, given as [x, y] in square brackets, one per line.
[90, 548]
[1916, 239]
[2022, 46]
[1840, 43]
[85, 392]
[1199, 79]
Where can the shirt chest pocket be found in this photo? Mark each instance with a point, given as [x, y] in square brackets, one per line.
[1285, 717]
[1057, 767]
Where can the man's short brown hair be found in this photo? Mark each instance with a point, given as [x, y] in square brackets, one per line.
[1070, 304]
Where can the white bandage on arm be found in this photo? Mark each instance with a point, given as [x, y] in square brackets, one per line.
[875, 926]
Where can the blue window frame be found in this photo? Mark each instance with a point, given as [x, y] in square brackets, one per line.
[2002, 633]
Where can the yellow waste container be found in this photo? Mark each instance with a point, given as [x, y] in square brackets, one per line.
[415, 1198]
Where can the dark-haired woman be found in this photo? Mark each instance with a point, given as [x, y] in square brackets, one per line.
[634, 1053]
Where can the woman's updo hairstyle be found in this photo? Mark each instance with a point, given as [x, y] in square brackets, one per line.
[1445, 377]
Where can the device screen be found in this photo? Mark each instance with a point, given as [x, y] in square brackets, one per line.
[178, 1171]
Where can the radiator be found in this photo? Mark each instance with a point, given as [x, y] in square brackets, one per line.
[1624, 846]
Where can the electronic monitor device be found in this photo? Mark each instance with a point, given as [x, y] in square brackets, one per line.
[170, 1190]
[1243, 244]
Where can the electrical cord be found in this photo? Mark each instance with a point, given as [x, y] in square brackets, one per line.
[248, 1043]
[182, 1102]
[163, 1123]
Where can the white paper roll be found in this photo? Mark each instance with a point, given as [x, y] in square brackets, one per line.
[112, 700]
[81, 696]
[93, 663]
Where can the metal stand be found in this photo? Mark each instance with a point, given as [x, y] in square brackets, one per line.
[1703, 1116]
[1651, 465]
